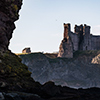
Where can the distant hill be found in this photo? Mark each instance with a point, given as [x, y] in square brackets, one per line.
[83, 70]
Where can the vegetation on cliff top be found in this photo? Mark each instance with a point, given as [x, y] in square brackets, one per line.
[52, 57]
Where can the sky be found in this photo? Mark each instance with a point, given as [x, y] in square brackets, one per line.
[40, 25]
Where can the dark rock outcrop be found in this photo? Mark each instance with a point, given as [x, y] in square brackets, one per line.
[50, 91]
[15, 78]
[8, 15]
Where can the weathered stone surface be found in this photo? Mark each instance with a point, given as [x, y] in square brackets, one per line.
[66, 47]
[95, 42]
[8, 15]
[79, 34]
[26, 50]
[21, 96]
[81, 39]
[75, 41]
[15, 77]
[83, 70]
[96, 59]
[86, 38]
[62, 93]
[66, 30]
[1, 96]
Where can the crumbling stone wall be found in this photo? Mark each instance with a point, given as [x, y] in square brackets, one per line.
[81, 39]
[75, 41]
[66, 30]
[66, 46]
[78, 30]
[95, 42]
[87, 38]
[65, 49]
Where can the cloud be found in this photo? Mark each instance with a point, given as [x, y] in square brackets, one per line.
[96, 30]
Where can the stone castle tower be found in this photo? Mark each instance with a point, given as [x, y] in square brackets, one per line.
[65, 49]
[81, 39]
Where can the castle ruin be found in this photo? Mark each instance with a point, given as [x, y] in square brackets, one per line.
[26, 50]
[80, 39]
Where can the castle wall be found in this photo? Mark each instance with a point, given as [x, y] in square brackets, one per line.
[81, 39]
[86, 38]
[66, 46]
[79, 31]
[95, 42]
[75, 40]
[65, 49]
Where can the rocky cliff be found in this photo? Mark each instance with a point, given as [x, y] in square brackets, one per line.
[81, 71]
[8, 15]
[15, 80]
[13, 74]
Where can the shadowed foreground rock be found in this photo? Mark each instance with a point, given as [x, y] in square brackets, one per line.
[49, 91]
[15, 80]
[8, 15]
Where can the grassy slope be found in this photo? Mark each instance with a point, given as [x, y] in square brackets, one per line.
[52, 57]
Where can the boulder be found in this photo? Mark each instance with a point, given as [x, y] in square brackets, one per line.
[26, 50]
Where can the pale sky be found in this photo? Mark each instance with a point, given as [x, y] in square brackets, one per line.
[40, 25]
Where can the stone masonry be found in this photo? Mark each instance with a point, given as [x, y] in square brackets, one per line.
[26, 50]
[65, 49]
[80, 39]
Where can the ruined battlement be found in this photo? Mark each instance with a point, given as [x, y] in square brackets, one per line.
[80, 39]
[78, 29]
[66, 30]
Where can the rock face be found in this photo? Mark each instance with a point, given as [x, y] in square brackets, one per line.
[83, 70]
[12, 72]
[49, 91]
[81, 39]
[8, 15]
[15, 78]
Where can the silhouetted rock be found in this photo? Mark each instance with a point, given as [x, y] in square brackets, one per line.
[50, 89]
[21, 96]
[8, 15]
[15, 78]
